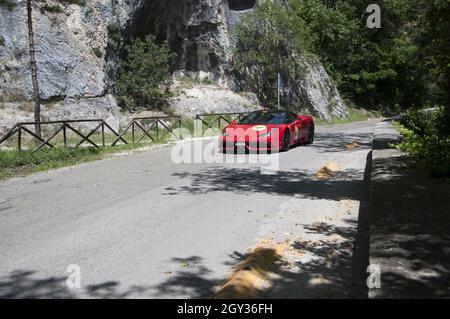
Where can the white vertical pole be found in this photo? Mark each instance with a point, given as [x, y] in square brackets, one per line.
[279, 88]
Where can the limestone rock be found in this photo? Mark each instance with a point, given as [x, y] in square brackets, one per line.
[76, 61]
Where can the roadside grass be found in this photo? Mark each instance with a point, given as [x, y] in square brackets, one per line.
[354, 115]
[15, 163]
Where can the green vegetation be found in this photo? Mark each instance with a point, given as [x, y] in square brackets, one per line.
[51, 8]
[98, 52]
[426, 138]
[81, 3]
[19, 163]
[354, 115]
[144, 79]
[13, 162]
[269, 41]
[404, 65]
[401, 67]
[114, 35]
[8, 4]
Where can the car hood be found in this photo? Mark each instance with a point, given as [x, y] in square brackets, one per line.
[254, 127]
[241, 130]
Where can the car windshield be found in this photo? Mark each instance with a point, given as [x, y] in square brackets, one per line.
[262, 117]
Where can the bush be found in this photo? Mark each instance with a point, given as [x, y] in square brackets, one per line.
[144, 76]
[269, 41]
[8, 4]
[426, 138]
[98, 52]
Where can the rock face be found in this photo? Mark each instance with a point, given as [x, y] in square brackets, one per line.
[72, 47]
[206, 98]
[315, 92]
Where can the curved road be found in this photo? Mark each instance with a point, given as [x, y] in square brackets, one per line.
[140, 225]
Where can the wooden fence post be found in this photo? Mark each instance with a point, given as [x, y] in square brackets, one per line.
[19, 138]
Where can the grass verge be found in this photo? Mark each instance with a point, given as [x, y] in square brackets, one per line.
[16, 163]
[354, 115]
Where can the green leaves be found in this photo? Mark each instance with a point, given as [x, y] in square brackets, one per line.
[403, 65]
[269, 42]
[426, 138]
[144, 76]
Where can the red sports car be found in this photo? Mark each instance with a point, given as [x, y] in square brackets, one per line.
[267, 131]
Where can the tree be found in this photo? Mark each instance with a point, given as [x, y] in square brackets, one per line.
[435, 39]
[269, 41]
[144, 75]
[400, 66]
[36, 95]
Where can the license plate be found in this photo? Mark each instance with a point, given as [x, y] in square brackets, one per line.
[240, 144]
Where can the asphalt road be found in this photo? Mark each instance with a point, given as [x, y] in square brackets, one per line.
[141, 225]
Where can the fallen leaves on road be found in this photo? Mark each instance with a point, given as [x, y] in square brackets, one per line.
[354, 144]
[252, 275]
[327, 171]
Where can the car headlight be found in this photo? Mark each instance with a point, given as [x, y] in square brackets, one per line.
[265, 134]
[224, 133]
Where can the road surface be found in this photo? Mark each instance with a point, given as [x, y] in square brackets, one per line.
[143, 226]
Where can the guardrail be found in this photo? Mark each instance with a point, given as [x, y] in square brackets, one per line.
[219, 118]
[146, 125]
[155, 128]
[62, 128]
[163, 125]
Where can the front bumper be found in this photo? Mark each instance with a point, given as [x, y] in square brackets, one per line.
[231, 145]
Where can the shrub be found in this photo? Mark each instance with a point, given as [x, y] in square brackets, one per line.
[144, 76]
[114, 35]
[81, 3]
[426, 138]
[98, 52]
[8, 4]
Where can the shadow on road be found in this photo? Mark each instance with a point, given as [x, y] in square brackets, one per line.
[409, 231]
[336, 269]
[23, 284]
[346, 184]
[336, 142]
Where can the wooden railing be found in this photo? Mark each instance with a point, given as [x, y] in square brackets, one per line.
[210, 120]
[149, 125]
[154, 128]
[60, 129]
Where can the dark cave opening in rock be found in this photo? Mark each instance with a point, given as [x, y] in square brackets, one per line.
[169, 20]
[241, 5]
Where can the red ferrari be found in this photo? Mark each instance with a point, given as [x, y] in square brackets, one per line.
[267, 131]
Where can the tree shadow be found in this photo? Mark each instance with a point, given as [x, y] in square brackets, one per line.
[329, 272]
[409, 231]
[336, 142]
[336, 268]
[193, 281]
[26, 284]
[345, 184]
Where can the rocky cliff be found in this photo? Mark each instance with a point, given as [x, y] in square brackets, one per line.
[78, 47]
